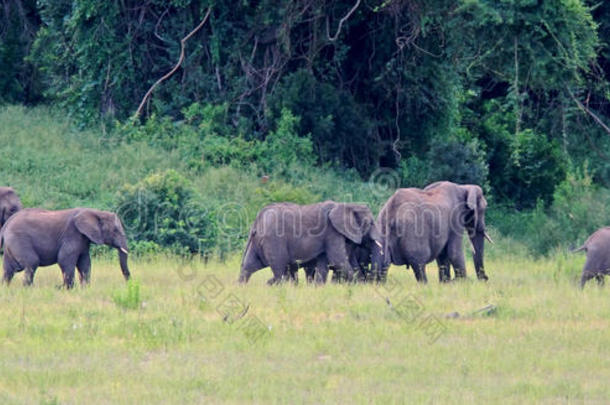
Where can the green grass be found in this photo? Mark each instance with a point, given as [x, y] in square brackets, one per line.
[169, 335]
[547, 341]
[53, 164]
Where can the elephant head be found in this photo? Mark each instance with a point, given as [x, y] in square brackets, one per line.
[357, 224]
[380, 256]
[474, 221]
[102, 227]
[354, 221]
[9, 204]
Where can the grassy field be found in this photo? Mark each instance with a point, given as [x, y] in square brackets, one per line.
[543, 341]
[186, 332]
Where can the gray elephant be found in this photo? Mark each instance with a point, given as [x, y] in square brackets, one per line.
[597, 264]
[419, 226]
[9, 204]
[359, 257]
[284, 234]
[35, 237]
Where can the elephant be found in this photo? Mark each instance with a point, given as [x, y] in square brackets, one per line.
[9, 204]
[419, 226]
[597, 264]
[359, 260]
[35, 237]
[285, 234]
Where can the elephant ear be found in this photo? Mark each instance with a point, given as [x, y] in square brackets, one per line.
[88, 223]
[473, 193]
[351, 220]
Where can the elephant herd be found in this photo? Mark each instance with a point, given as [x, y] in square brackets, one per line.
[413, 228]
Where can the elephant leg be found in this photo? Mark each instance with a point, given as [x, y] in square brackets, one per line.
[68, 273]
[310, 271]
[321, 274]
[279, 270]
[336, 277]
[84, 268]
[381, 275]
[338, 259]
[444, 270]
[600, 279]
[456, 256]
[420, 273]
[67, 264]
[359, 271]
[8, 276]
[10, 267]
[293, 273]
[586, 276]
[28, 276]
[276, 253]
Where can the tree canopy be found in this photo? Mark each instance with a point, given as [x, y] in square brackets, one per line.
[509, 94]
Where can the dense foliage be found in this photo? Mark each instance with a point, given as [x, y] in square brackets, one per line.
[508, 94]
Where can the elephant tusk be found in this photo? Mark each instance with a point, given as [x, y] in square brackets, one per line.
[488, 237]
[472, 247]
[380, 246]
[124, 250]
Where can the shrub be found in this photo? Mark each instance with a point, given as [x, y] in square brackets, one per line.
[537, 166]
[579, 208]
[284, 147]
[164, 209]
[413, 172]
[456, 160]
[204, 138]
[284, 192]
[453, 159]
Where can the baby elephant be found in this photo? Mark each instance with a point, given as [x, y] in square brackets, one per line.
[34, 237]
[598, 256]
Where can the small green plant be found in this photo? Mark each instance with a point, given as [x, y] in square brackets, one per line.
[129, 298]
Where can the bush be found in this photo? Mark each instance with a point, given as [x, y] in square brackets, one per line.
[284, 147]
[164, 209]
[413, 172]
[460, 161]
[578, 209]
[537, 166]
[457, 161]
[204, 138]
[284, 192]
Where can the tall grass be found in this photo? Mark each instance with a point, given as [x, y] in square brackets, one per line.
[53, 164]
[186, 332]
[546, 341]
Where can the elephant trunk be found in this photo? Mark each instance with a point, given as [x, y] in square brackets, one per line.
[478, 241]
[379, 262]
[123, 262]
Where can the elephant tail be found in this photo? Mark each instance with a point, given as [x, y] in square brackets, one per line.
[250, 261]
[248, 249]
[583, 247]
